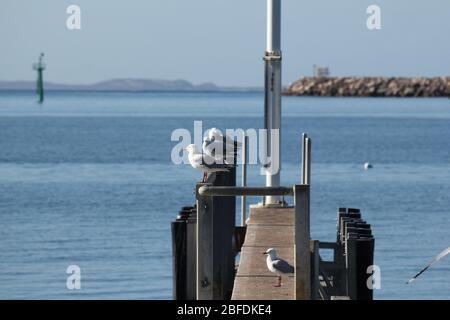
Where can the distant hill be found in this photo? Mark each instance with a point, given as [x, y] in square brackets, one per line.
[127, 85]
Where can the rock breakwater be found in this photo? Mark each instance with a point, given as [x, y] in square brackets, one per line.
[370, 87]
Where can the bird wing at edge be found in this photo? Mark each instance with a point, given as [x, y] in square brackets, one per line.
[435, 259]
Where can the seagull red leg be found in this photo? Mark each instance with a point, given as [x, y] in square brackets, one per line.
[278, 284]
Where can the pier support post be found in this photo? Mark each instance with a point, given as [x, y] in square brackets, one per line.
[191, 255]
[223, 224]
[204, 245]
[315, 269]
[179, 256]
[184, 258]
[351, 264]
[364, 254]
[302, 244]
[216, 222]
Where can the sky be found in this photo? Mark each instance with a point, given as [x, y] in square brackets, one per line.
[221, 41]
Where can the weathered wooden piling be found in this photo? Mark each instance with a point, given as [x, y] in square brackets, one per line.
[184, 252]
[301, 243]
[191, 255]
[364, 257]
[215, 240]
[179, 243]
[357, 246]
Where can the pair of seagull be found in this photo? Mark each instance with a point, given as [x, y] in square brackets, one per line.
[217, 155]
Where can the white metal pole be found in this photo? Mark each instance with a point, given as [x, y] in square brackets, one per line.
[273, 92]
[273, 26]
[303, 173]
[308, 161]
[244, 179]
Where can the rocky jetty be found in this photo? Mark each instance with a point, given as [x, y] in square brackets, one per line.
[370, 87]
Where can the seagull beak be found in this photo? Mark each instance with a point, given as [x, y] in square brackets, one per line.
[264, 252]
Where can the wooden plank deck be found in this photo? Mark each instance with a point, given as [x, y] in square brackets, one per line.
[266, 228]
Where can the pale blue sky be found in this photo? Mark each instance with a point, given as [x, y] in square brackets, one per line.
[221, 40]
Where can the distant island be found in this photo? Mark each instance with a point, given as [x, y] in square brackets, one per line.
[370, 87]
[125, 85]
[306, 86]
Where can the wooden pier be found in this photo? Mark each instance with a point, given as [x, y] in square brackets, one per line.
[266, 228]
[201, 257]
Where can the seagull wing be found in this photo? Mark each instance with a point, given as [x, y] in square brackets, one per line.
[435, 259]
[214, 132]
[232, 142]
[283, 266]
[216, 149]
[202, 161]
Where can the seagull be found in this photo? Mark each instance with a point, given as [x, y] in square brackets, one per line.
[435, 259]
[214, 141]
[367, 166]
[277, 265]
[205, 163]
[217, 134]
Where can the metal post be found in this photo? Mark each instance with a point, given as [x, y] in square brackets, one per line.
[272, 112]
[224, 191]
[303, 169]
[308, 161]
[244, 179]
[302, 244]
[204, 246]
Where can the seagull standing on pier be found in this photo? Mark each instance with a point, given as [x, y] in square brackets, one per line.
[435, 259]
[205, 163]
[215, 142]
[277, 265]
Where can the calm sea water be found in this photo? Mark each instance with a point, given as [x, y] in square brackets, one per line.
[86, 179]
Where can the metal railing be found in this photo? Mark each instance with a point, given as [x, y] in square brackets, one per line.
[245, 191]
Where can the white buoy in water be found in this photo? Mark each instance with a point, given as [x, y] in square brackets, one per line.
[367, 166]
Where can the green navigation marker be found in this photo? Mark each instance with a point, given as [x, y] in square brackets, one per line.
[40, 67]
